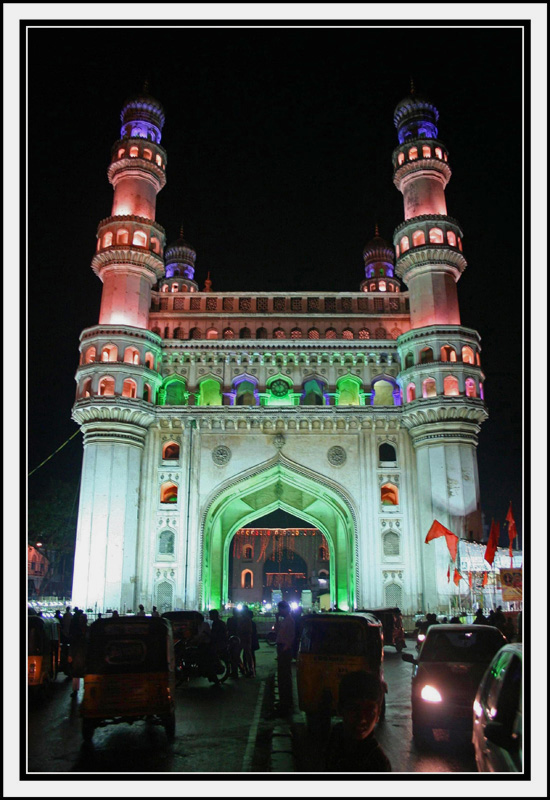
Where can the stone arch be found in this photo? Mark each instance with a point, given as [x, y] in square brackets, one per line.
[293, 488]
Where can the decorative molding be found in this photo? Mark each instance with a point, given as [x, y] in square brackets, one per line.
[221, 455]
[279, 441]
[337, 456]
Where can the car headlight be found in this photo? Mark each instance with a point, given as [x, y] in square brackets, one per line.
[421, 637]
[478, 711]
[430, 694]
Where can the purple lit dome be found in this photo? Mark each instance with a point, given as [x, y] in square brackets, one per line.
[142, 116]
[180, 258]
[415, 117]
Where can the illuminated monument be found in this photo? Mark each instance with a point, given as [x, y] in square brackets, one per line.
[357, 412]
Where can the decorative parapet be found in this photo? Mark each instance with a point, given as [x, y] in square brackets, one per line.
[116, 410]
[428, 411]
[131, 257]
[427, 257]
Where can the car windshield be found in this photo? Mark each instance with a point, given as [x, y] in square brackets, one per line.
[471, 647]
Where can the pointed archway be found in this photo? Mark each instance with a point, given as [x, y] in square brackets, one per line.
[279, 484]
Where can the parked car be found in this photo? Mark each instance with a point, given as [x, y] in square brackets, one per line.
[446, 674]
[392, 623]
[497, 733]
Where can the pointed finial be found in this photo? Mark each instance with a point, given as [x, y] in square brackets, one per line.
[412, 85]
[181, 231]
[146, 86]
[376, 231]
[208, 283]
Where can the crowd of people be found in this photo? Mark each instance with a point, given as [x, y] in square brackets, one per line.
[496, 617]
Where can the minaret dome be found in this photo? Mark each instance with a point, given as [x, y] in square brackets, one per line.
[180, 264]
[415, 118]
[378, 256]
[142, 117]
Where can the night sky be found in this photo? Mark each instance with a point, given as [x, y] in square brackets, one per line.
[279, 165]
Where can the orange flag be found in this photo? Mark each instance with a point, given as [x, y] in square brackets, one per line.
[512, 530]
[457, 577]
[485, 579]
[448, 573]
[451, 538]
[492, 544]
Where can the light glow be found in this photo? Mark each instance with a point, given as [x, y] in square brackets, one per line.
[430, 694]
[478, 711]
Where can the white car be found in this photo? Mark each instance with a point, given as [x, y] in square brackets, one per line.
[497, 734]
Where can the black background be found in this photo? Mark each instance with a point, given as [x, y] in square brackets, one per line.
[279, 149]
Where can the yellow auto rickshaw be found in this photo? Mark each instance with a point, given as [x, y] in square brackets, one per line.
[44, 643]
[331, 645]
[130, 674]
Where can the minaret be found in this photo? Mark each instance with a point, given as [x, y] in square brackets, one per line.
[118, 376]
[180, 266]
[441, 374]
[379, 266]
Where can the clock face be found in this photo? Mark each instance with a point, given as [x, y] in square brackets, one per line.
[279, 388]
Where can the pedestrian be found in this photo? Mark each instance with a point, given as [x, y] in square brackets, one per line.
[77, 651]
[234, 642]
[115, 614]
[491, 618]
[284, 629]
[298, 624]
[141, 612]
[154, 612]
[58, 616]
[500, 619]
[480, 618]
[455, 621]
[352, 746]
[254, 643]
[245, 635]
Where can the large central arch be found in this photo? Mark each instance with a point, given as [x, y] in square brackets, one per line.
[302, 492]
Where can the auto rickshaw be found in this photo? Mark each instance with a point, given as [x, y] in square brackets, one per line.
[185, 624]
[130, 674]
[392, 623]
[330, 646]
[44, 642]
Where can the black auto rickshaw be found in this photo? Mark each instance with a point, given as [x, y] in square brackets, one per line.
[44, 643]
[392, 623]
[330, 646]
[130, 674]
[185, 624]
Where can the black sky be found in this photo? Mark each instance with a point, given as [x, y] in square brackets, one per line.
[279, 149]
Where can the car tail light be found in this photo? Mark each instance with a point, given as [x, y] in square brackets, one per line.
[430, 694]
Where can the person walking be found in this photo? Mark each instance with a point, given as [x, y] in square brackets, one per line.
[77, 643]
[284, 629]
[245, 635]
[234, 642]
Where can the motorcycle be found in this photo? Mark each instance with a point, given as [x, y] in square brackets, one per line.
[271, 636]
[199, 662]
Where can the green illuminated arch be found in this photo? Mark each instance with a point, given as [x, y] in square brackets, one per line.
[209, 393]
[348, 391]
[299, 491]
[173, 392]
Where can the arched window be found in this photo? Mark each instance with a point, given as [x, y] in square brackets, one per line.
[404, 244]
[394, 595]
[140, 239]
[450, 386]
[108, 239]
[131, 355]
[129, 388]
[313, 394]
[401, 158]
[109, 352]
[147, 154]
[429, 388]
[171, 451]
[86, 390]
[467, 355]
[175, 287]
[470, 386]
[149, 360]
[228, 333]
[364, 333]
[278, 333]
[147, 393]
[165, 593]
[121, 151]
[248, 552]
[90, 355]
[411, 393]
[397, 251]
[347, 333]
[409, 360]
[448, 353]
[323, 555]
[451, 238]
[426, 355]
[245, 333]
[164, 288]
[478, 360]
[296, 333]
[426, 151]
[212, 333]
[166, 543]
[372, 287]
[460, 244]
[122, 236]
[107, 386]
[195, 333]
[348, 392]
[389, 495]
[436, 236]
[380, 333]
[313, 333]
[413, 154]
[381, 286]
[155, 244]
[481, 390]
[383, 393]
[418, 238]
[386, 452]
[245, 394]
[438, 152]
[247, 579]
[261, 333]
[391, 544]
[168, 492]
[209, 393]
[174, 393]
[134, 152]
[158, 159]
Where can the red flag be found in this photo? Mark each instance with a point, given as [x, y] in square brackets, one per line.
[512, 530]
[485, 579]
[448, 573]
[457, 577]
[492, 544]
[470, 580]
[451, 538]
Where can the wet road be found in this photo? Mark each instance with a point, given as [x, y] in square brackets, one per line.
[395, 733]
